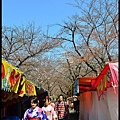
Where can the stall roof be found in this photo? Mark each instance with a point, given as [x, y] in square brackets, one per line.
[107, 78]
[15, 85]
[85, 83]
[111, 71]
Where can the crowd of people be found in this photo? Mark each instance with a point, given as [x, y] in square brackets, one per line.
[49, 111]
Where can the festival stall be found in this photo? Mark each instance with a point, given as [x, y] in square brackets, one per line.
[99, 95]
[41, 94]
[14, 89]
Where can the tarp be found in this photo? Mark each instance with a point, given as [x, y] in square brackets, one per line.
[11, 118]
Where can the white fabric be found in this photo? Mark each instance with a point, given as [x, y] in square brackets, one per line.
[85, 100]
[112, 99]
[105, 109]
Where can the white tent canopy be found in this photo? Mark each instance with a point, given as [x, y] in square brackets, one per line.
[93, 109]
[105, 108]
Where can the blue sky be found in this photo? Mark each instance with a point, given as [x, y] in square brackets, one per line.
[42, 12]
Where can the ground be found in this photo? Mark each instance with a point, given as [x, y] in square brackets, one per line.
[73, 115]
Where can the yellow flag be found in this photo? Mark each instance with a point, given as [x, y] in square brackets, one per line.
[23, 90]
[10, 77]
[30, 88]
[16, 86]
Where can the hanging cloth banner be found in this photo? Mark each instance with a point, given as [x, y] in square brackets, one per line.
[10, 77]
[108, 77]
[8, 96]
[22, 91]
[103, 85]
[28, 88]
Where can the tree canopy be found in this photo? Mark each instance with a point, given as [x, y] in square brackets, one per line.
[81, 47]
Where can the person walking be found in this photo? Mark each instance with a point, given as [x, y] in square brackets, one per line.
[34, 112]
[51, 103]
[49, 110]
[61, 109]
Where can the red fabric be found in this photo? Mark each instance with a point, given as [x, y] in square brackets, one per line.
[114, 74]
[87, 101]
[85, 88]
[100, 76]
[105, 80]
[85, 83]
[34, 119]
[3, 71]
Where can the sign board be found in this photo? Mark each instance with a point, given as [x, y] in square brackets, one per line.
[76, 87]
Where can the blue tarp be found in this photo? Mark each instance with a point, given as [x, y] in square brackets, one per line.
[11, 118]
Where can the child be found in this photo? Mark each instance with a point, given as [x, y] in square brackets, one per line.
[51, 103]
[35, 112]
[49, 110]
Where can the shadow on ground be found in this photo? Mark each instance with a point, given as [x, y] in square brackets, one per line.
[74, 116]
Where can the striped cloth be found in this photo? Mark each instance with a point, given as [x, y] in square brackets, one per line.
[60, 109]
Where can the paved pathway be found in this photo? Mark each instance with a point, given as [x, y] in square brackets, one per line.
[73, 115]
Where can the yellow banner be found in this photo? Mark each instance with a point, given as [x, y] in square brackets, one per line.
[13, 82]
[10, 77]
[23, 91]
[102, 85]
[30, 88]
